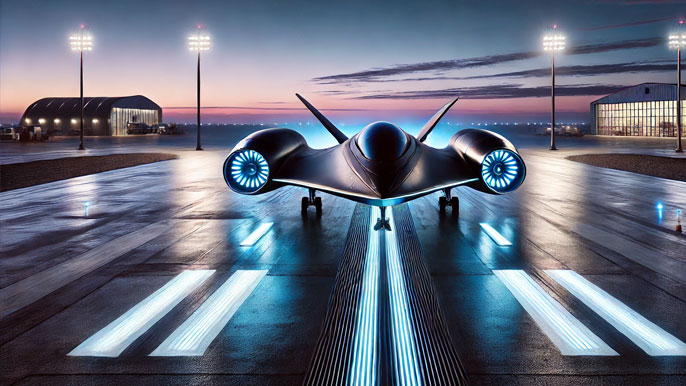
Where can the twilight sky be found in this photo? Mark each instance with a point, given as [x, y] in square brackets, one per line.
[364, 60]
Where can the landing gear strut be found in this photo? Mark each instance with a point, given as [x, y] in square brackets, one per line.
[448, 200]
[382, 222]
[313, 200]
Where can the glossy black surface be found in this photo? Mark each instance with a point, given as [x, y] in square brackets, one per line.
[382, 142]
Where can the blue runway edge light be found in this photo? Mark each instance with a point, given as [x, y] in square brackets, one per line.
[246, 171]
[502, 170]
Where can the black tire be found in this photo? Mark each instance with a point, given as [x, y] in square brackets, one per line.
[318, 204]
[304, 203]
[455, 205]
[442, 202]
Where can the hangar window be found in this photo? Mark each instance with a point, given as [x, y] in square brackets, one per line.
[650, 118]
[647, 90]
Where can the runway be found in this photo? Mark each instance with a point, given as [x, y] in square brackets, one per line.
[158, 274]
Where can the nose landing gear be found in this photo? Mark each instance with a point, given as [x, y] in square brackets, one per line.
[448, 200]
[312, 200]
[382, 222]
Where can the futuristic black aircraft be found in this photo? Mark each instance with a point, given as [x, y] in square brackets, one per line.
[381, 165]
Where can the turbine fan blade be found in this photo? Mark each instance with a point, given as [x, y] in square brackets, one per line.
[429, 126]
[340, 137]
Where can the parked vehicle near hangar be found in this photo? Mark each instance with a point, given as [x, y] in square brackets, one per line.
[24, 134]
[381, 165]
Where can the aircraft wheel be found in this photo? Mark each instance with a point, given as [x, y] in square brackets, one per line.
[455, 205]
[304, 203]
[442, 202]
[318, 204]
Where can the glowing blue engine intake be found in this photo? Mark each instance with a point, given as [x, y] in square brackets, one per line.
[246, 171]
[502, 171]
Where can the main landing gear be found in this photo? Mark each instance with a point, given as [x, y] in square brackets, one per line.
[311, 200]
[448, 200]
[382, 222]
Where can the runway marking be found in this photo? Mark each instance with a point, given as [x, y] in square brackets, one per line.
[116, 336]
[645, 334]
[567, 333]
[495, 235]
[405, 356]
[196, 334]
[645, 256]
[257, 234]
[365, 350]
[34, 287]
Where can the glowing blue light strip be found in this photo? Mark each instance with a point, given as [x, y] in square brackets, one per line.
[363, 367]
[405, 356]
[645, 334]
[196, 334]
[495, 235]
[118, 335]
[567, 333]
[257, 234]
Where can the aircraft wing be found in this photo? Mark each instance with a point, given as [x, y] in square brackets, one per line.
[337, 171]
[325, 170]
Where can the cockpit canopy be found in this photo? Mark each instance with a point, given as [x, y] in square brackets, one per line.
[382, 141]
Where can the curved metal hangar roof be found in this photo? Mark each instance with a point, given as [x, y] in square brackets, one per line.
[58, 113]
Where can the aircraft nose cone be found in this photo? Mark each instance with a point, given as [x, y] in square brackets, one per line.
[382, 141]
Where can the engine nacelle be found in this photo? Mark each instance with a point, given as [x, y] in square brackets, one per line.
[494, 158]
[252, 161]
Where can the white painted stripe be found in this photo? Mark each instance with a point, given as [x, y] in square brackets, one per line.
[257, 234]
[495, 235]
[196, 334]
[645, 334]
[34, 287]
[118, 335]
[363, 366]
[405, 355]
[567, 333]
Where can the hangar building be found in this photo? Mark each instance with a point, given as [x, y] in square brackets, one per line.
[647, 109]
[101, 115]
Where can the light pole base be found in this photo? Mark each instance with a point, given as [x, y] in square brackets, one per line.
[198, 148]
[81, 147]
[553, 148]
[678, 151]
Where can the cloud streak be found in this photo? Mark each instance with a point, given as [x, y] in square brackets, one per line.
[584, 70]
[257, 108]
[631, 24]
[643, 2]
[577, 70]
[458, 64]
[501, 91]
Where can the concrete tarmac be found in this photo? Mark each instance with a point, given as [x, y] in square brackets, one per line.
[77, 254]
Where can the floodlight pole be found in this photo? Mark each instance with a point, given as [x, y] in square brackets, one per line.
[198, 147]
[552, 98]
[81, 147]
[678, 101]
